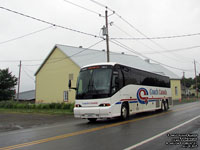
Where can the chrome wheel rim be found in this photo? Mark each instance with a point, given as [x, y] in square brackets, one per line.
[124, 112]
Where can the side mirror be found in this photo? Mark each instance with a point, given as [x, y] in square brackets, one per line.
[70, 84]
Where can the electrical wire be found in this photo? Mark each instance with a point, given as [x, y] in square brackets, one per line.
[28, 75]
[102, 5]
[92, 11]
[29, 34]
[173, 50]
[135, 52]
[127, 22]
[78, 52]
[145, 45]
[156, 38]
[50, 23]
[69, 56]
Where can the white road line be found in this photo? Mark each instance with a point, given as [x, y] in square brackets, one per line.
[158, 135]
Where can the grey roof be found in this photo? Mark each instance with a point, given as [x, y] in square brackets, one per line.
[163, 70]
[84, 56]
[27, 95]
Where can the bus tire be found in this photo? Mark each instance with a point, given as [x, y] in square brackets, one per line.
[163, 106]
[124, 111]
[92, 119]
[167, 105]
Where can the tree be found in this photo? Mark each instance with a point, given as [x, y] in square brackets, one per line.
[7, 84]
[188, 82]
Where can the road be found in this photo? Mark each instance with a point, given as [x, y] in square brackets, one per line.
[152, 130]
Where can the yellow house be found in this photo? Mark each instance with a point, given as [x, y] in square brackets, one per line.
[52, 78]
[64, 62]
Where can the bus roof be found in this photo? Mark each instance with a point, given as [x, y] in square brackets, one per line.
[103, 63]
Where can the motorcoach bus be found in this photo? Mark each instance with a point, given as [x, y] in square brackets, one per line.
[107, 90]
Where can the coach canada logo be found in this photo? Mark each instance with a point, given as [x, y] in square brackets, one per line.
[142, 99]
[142, 94]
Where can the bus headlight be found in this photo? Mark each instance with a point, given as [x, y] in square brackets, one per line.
[78, 105]
[104, 105]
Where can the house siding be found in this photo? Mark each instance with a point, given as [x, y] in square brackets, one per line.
[176, 89]
[52, 79]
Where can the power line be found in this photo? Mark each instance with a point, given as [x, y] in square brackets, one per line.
[28, 74]
[50, 23]
[102, 5]
[156, 38]
[71, 55]
[79, 52]
[146, 37]
[135, 52]
[92, 11]
[29, 34]
[138, 41]
[173, 50]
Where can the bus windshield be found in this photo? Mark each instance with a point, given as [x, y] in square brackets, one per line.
[94, 83]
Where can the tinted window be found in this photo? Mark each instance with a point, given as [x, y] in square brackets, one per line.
[140, 77]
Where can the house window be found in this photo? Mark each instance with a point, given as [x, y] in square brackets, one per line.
[65, 96]
[176, 90]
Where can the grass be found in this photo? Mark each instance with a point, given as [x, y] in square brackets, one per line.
[25, 107]
[185, 100]
[37, 111]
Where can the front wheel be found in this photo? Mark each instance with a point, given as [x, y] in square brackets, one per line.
[124, 112]
[92, 119]
[163, 106]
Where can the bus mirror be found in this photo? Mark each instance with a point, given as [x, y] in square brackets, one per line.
[69, 84]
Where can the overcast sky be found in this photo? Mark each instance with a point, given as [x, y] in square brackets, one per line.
[154, 18]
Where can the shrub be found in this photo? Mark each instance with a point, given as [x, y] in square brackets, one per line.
[52, 105]
[2, 104]
[58, 106]
[66, 106]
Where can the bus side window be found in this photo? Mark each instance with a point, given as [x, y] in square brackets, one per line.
[126, 73]
[117, 80]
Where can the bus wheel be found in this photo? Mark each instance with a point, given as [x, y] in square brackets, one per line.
[163, 106]
[124, 112]
[92, 119]
[167, 105]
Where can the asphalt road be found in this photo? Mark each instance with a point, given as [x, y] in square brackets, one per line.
[175, 129]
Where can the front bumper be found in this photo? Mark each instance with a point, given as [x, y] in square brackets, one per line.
[92, 112]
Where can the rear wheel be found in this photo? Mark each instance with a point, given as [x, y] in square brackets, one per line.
[92, 119]
[124, 112]
[167, 105]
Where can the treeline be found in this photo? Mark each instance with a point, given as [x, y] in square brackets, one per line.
[190, 82]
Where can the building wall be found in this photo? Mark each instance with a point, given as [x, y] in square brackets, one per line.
[52, 79]
[176, 89]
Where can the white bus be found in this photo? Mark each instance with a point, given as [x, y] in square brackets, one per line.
[107, 90]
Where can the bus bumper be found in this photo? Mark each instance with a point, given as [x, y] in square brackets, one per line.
[92, 112]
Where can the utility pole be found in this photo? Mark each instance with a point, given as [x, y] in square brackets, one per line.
[184, 86]
[20, 65]
[184, 78]
[107, 37]
[195, 77]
